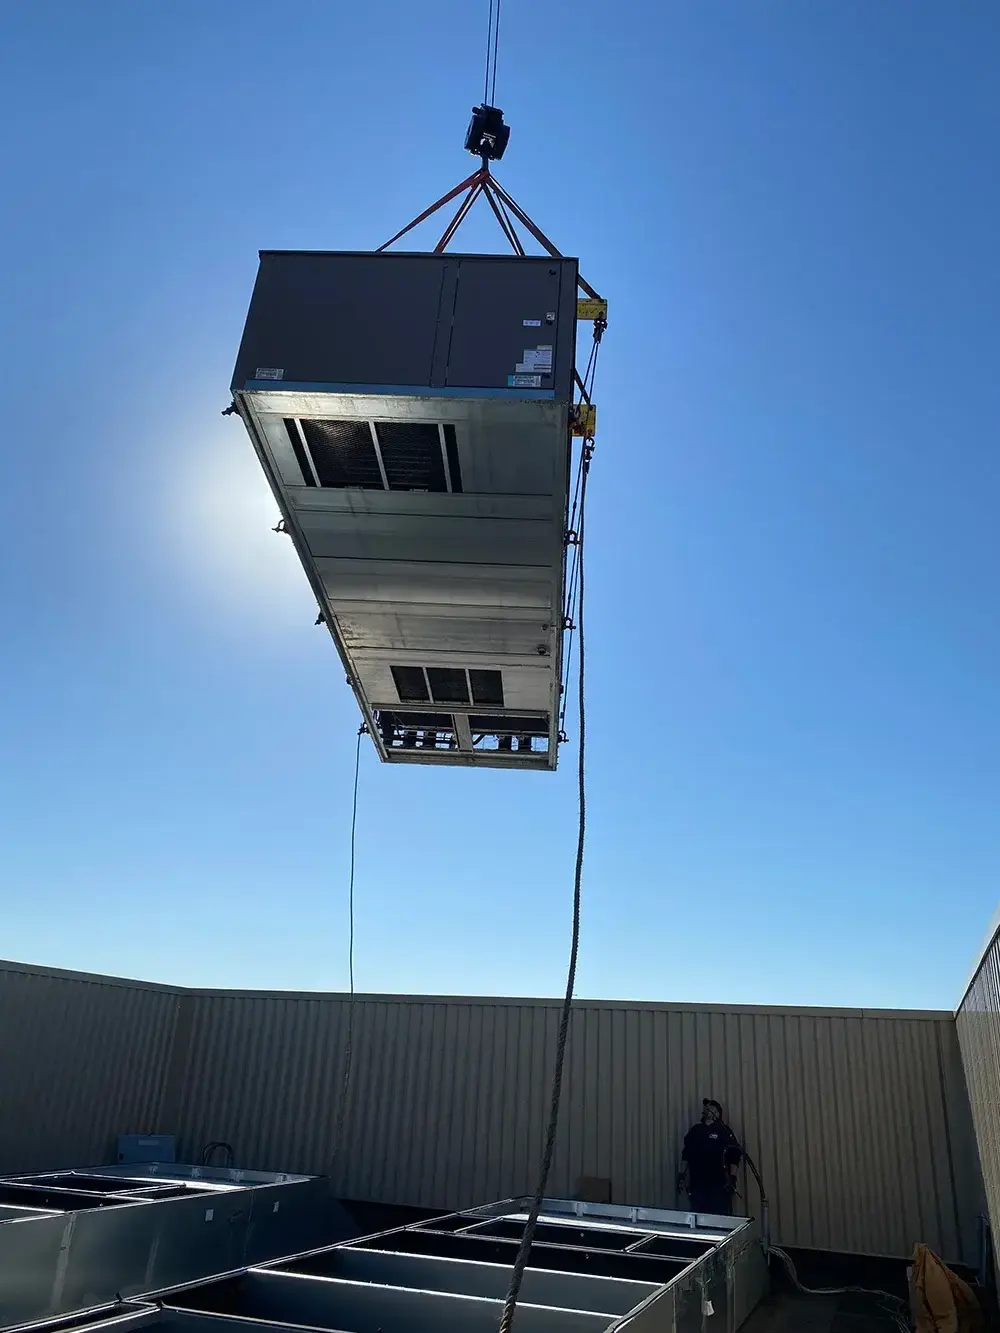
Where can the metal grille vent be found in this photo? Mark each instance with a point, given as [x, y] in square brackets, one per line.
[487, 688]
[343, 453]
[449, 685]
[387, 455]
[412, 456]
[411, 684]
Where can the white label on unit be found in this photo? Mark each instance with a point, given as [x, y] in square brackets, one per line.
[550, 317]
[524, 381]
[707, 1308]
[537, 358]
[209, 1214]
[532, 323]
[269, 373]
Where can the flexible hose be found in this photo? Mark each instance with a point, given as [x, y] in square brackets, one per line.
[338, 1141]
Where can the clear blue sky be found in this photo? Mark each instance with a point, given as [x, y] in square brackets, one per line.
[793, 206]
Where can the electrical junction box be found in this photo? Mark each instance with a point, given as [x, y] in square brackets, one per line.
[412, 414]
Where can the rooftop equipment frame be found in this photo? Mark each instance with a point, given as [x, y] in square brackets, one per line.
[593, 1269]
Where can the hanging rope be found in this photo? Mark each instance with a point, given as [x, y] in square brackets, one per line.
[524, 1250]
[349, 1047]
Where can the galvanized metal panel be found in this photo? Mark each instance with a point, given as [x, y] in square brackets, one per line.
[82, 1059]
[571, 1291]
[419, 538]
[390, 582]
[339, 1305]
[409, 638]
[978, 1023]
[131, 1244]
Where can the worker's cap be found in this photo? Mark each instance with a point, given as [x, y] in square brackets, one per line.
[716, 1106]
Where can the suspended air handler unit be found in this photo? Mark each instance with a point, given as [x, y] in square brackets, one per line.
[413, 415]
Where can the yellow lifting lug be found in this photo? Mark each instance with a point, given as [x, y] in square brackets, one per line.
[583, 420]
[588, 309]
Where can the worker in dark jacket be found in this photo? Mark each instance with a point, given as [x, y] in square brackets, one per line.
[712, 1157]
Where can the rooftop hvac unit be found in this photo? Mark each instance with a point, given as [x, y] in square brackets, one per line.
[412, 415]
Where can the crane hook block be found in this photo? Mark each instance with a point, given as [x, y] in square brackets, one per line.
[487, 135]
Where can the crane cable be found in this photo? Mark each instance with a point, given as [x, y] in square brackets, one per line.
[492, 45]
[524, 1250]
[349, 1045]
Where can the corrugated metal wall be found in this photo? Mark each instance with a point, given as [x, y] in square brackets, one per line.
[860, 1122]
[81, 1059]
[979, 1034]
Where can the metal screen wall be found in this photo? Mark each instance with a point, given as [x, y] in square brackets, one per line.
[978, 1024]
[82, 1058]
[859, 1122]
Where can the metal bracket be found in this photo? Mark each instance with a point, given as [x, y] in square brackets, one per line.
[583, 420]
[593, 309]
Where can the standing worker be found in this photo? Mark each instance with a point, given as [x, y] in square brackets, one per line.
[712, 1156]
